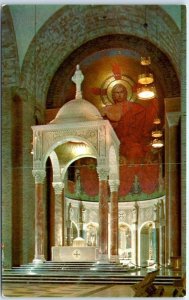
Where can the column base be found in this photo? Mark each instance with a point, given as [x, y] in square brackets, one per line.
[176, 263]
[103, 259]
[114, 259]
[39, 260]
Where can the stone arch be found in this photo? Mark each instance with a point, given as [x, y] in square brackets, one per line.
[144, 243]
[65, 140]
[55, 167]
[10, 61]
[125, 238]
[92, 22]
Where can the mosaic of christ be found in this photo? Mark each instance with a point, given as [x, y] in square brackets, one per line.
[110, 84]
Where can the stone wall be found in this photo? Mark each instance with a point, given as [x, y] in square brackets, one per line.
[183, 141]
[10, 77]
[17, 181]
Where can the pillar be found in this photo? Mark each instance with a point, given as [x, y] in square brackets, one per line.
[161, 234]
[103, 215]
[81, 221]
[114, 185]
[135, 234]
[155, 234]
[59, 213]
[69, 225]
[173, 192]
[39, 215]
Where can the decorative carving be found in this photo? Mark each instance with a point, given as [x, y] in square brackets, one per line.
[51, 137]
[114, 185]
[102, 161]
[37, 165]
[102, 173]
[122, 216]
[39, 175]
[146, 214]
[58, 187]
[128, 216]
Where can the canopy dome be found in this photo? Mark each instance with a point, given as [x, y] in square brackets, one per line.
[78, 109]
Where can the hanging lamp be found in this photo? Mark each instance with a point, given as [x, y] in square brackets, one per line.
[157, 143]
[145, 77]
[157, 135]
[146, 89]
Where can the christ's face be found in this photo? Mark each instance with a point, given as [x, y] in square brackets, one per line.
[119, 93]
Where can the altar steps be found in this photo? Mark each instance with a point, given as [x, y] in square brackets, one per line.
[50, 272]
[73, 267]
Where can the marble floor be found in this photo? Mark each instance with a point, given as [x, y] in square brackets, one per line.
[36, 290]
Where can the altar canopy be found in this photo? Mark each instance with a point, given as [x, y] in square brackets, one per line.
[80, 126]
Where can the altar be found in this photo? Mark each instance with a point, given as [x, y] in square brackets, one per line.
[70, 253]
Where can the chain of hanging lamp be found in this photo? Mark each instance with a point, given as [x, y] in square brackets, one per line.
[157, 133]
[146, 89]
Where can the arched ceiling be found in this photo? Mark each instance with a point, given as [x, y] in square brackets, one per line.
[97, 58]
[74, 29]
[24, 15]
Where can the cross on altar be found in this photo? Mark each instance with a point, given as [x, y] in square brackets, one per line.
[121, 215]
[76, 254]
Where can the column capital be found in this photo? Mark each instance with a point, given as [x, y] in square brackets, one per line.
[39, 175]
[114, 185]
[58, 187]
[103, 172]
[173, 118]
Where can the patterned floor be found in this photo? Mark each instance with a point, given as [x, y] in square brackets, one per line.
[70, 290]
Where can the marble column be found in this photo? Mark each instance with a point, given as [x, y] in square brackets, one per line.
[114, 185]
[69, 225]
[135, 234]
[39, 215]
[173, 192]
[59, 213]
[161, 234]
[81, 219]
[103, 215]
[155, 234]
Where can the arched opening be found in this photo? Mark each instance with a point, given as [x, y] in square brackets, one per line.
[147, 244]
[125, 245]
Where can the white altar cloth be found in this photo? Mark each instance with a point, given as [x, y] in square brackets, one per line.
[69, 253]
